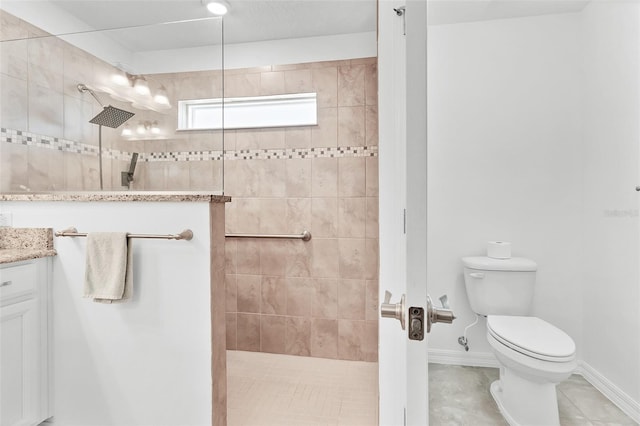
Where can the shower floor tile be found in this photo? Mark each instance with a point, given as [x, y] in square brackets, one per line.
[269, 389]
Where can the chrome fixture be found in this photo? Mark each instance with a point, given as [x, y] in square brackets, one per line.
[110, 116]
[127, 177]
[304, 236]
[393, 310]
[187, 235]
[443, 314]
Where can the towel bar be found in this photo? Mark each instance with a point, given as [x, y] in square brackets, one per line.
[187, 234]
[304, 236]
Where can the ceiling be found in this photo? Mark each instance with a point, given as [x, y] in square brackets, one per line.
[248, 20]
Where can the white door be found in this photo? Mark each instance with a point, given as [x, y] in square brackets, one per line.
[402, 111]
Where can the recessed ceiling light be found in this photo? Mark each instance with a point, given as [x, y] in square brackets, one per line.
[217, 7]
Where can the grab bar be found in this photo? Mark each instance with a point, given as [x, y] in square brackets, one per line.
[187, 234]
[304, 236]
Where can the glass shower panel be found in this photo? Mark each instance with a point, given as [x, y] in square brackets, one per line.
[97, 110]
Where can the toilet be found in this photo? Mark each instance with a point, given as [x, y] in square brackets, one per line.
[533, 355]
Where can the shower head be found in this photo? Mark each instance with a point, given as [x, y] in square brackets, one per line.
[110, 116]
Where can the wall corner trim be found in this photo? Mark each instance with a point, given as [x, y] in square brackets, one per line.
[630, 407]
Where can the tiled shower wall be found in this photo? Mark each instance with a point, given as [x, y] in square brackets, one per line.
[316, 298]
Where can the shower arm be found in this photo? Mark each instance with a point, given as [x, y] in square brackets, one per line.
[83, 88]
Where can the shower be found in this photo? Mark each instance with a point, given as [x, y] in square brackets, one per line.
[110, 116]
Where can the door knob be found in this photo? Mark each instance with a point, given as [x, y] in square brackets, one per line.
[393, 310]
[434, 314]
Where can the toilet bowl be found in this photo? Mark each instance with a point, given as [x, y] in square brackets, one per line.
[534, 356]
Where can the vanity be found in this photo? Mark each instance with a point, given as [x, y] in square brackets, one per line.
[25, 274]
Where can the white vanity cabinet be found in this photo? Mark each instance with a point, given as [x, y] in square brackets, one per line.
[24, 342]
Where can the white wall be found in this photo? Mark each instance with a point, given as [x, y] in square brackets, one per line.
[504, 133]
[533, 138]
[145, 362]
[611, 289]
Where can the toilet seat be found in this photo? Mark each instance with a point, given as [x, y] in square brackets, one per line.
[533, 337]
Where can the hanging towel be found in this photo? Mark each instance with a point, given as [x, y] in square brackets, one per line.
[109, 268]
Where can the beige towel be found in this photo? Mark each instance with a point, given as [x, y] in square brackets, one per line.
[109, 269]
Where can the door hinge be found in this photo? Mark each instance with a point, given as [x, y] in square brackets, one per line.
[404, 220]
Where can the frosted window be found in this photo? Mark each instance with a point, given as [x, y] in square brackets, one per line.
[299, 109]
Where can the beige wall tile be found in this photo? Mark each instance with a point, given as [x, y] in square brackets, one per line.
[249, 215]
[272, 83]
[298, 336]
[249, 293]
[273, 212]
[274, 295]
[352, 257]
[46, 111]
[231, 291]
[299, 296]
[13, 102]
[248, 332]
[272, 177]
[371, 176]
[325, 134]
[325, 298]
[201, 175]
[371, 302]
[298, 81]
[299, 256]
[371, 125]
[178, 175]
[242, 85]
[351, 299]
[324, 177]
[273, 257]
[371, 259]
[351, 84]
[248, 260]
[372, 218]
[357, 340]
[272, 334]
[371, 84]
[324, 338]
[231, 321]
[298, 182]
[351, 177]
[46, 63]
[324, 217]
[298, 137]
[155, 177]
[13, 59]
[230, 255]
[242, 177]
[325, 83]
[351, 126]
[352, 217]
[325, 260]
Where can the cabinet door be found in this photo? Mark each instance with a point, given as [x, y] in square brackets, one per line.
[18, 363]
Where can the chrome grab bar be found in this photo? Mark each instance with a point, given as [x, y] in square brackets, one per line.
[304, 236]
[187, 234]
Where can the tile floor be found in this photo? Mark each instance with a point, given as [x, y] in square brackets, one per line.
[283, 390]
[460, 396]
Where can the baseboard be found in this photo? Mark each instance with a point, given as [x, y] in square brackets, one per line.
[630, 407]
[469, 359]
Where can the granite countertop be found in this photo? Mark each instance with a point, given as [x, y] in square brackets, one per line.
[187, 196]
[18, 244]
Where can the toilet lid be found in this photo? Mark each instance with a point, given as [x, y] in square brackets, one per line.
[532, 336]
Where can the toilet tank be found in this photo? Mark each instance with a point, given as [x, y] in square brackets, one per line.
[500, 286]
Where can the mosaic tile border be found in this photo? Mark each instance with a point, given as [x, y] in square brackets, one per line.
[47, 142]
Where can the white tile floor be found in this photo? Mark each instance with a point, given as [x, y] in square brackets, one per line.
[268, 389]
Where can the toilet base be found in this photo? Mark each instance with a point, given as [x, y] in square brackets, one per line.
[525, 403]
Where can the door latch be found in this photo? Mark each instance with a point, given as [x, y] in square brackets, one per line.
[393, 310]
[416, 323]
[443, 314]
